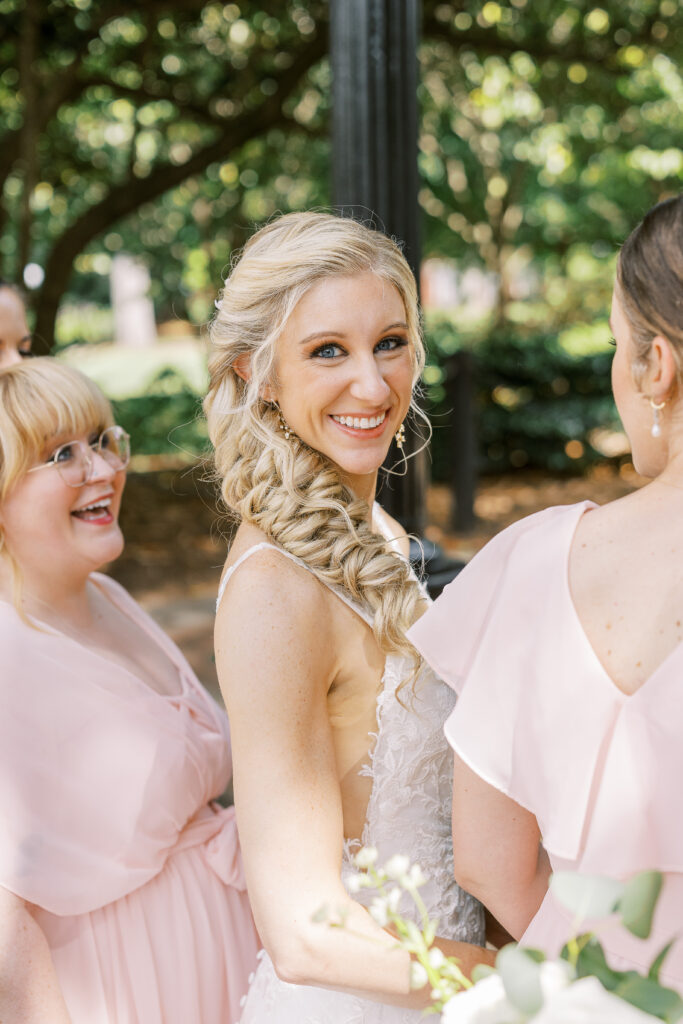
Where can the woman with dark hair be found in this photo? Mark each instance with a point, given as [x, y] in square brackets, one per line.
[564, 641]
[15, 337]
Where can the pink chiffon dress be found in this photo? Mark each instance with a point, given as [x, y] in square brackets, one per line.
[538, 717]
[109, 832]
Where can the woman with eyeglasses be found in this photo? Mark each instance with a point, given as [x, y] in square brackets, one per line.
[122, 898]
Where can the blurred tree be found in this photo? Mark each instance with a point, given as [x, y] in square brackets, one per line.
[107, 107]
[170, 128]
[548, 129]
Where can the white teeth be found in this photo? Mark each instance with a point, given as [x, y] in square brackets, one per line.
[361, 422]
[99, 504]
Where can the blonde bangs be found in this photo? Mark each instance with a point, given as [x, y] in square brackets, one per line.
[43, 402]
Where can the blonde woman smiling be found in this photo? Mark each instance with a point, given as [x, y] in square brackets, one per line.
[336, 725]
[121, 891]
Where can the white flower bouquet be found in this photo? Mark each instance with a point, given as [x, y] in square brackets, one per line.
[524, 987]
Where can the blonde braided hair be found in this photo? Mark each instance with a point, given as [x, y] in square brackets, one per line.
[292, 493]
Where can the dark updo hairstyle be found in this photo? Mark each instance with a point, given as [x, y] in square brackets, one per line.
[650, 281]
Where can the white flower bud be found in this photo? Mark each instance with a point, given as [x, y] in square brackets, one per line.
[365, 857]
[378, 911]
[393, 899]
[418, 975]
[415, 876]
[397, 866]
[352, 883]
[436, 957]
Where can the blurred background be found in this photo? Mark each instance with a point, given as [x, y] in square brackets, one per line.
[141, 145]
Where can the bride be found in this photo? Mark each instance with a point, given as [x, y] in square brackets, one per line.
[336, 723]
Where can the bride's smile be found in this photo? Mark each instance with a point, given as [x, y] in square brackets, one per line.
[344, 372]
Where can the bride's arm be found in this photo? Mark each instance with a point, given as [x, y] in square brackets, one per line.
[276, 656]
[497, 850]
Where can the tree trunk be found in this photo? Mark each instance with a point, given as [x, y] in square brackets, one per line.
[29, 130]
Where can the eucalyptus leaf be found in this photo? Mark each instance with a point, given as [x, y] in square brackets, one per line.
[591, 961]
[651, 997]
[638, 902]
[586, 895]
[656, 965]
[521, 977]
[480, 971]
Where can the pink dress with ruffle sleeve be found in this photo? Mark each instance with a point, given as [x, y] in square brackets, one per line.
[538, 717]
[108, 829]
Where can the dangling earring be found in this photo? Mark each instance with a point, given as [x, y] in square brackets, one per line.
[656, 427]
[400, 437]
[284, 425]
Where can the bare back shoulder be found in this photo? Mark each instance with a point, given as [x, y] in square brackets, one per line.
[626, 589]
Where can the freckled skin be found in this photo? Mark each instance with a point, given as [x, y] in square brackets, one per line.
[613, 548]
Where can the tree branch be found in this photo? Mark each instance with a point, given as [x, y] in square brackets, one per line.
[129, 195]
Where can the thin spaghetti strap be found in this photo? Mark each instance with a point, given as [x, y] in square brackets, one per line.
[243, 557]
[298, 561]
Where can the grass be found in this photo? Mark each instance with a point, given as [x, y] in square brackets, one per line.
[124, 372]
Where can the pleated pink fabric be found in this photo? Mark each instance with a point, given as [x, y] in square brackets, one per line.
[538, 717]
[108, 829]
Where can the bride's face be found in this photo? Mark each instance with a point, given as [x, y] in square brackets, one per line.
[344, 371]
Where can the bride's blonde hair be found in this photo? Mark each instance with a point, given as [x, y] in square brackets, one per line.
[291, 492]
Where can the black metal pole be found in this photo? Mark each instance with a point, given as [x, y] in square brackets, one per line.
[374, 160]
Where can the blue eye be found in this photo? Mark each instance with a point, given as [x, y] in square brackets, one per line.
[390, 344]
[328, 351]
[64, 454]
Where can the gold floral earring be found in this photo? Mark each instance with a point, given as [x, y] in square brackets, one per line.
[400, 437]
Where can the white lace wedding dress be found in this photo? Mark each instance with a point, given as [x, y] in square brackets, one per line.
[409, 812]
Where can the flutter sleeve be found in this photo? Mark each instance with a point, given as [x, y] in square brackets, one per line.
[86, 765]
[488, 637]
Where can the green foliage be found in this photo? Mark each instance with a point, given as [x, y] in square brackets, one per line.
[552, 131]
[536, 404]
[169, 129]
[166, 419]
[520, 971]
[587, 895]
[635, 902]
[157, 129]
[638, 902]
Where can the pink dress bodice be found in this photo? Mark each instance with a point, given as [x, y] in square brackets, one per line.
[538, 717]
[109, 830]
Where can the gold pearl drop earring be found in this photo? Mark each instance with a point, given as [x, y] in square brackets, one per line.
[656, 430]
[284, 426]
[400, 437]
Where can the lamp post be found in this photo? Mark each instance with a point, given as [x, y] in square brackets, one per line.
[374, 158]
